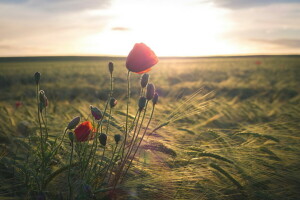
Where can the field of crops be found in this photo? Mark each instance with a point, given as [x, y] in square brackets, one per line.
[224, 128]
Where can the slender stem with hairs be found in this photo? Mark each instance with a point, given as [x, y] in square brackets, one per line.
[69, 173]
[151, 115]
[127, 112]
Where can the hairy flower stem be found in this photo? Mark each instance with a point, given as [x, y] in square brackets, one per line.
[69, 173]
[110, 163]
[41, 136]
[58, 146]
[151, 115]
[127, 112]
[123, 162]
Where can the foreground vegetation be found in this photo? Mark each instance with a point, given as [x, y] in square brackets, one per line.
[229, 127]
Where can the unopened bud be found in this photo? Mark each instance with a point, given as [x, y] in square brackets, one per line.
[111, 67]
[43, 100]
[117, 138]
[73, 123]
[113, 102]
[37, 77]
[96, 113]
[150, 91]
[155, 99]
[144, 80]
[71, 137]
[103, 139]
[142, 103]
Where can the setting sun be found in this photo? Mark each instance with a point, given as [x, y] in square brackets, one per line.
[172, 31]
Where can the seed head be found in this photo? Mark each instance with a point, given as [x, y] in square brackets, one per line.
[111, 67]
[155, 99]
[113, 102]
[142, 103]
[103, 139]
[144, 80]
[73, 123]
[117, 138]
[150, 91]
[37, 77]
[96, 113]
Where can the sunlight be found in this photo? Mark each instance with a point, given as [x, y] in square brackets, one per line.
[178, 30]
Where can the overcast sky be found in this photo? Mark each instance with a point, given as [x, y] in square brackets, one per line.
[169, 27]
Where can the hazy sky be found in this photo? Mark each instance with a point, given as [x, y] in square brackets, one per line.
[169, 27]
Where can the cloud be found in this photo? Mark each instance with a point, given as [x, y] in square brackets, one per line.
[242, 4]
[59, 5]
[291, 43]
[120, 29]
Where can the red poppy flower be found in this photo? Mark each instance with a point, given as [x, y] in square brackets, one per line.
[18, 104]
[140, 59]
[84, 131]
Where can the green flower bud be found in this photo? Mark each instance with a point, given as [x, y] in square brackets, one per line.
[142, 103]
[73, 123]
[155, 99]
[71, 137]
[111, 67]
[37, 77]
[103, 139]
[150, 91]
[113, 102]
[144, 80]
[117, 138]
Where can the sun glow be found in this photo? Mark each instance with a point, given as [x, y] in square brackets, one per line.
[177, 30]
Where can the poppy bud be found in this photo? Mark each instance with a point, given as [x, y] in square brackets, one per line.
[71, 137]
[150, 91]
[144, 80]
[111, 67]
[96, 113]
[155, 99]
[113, 102]
[43, 100]
[117, 138]
[37, 77]
[73, 123]
[103, 139]
[142, 103]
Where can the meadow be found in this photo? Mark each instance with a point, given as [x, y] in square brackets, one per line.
[224, 127]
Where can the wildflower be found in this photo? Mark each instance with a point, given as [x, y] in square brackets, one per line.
[142, 103]
[96, 113]
[144, 80]
[113, 102]
[73, 123]
[155, 99]
[111, 67]
[103, 138]
[140, 59]
[84, 131]
[150, 91]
